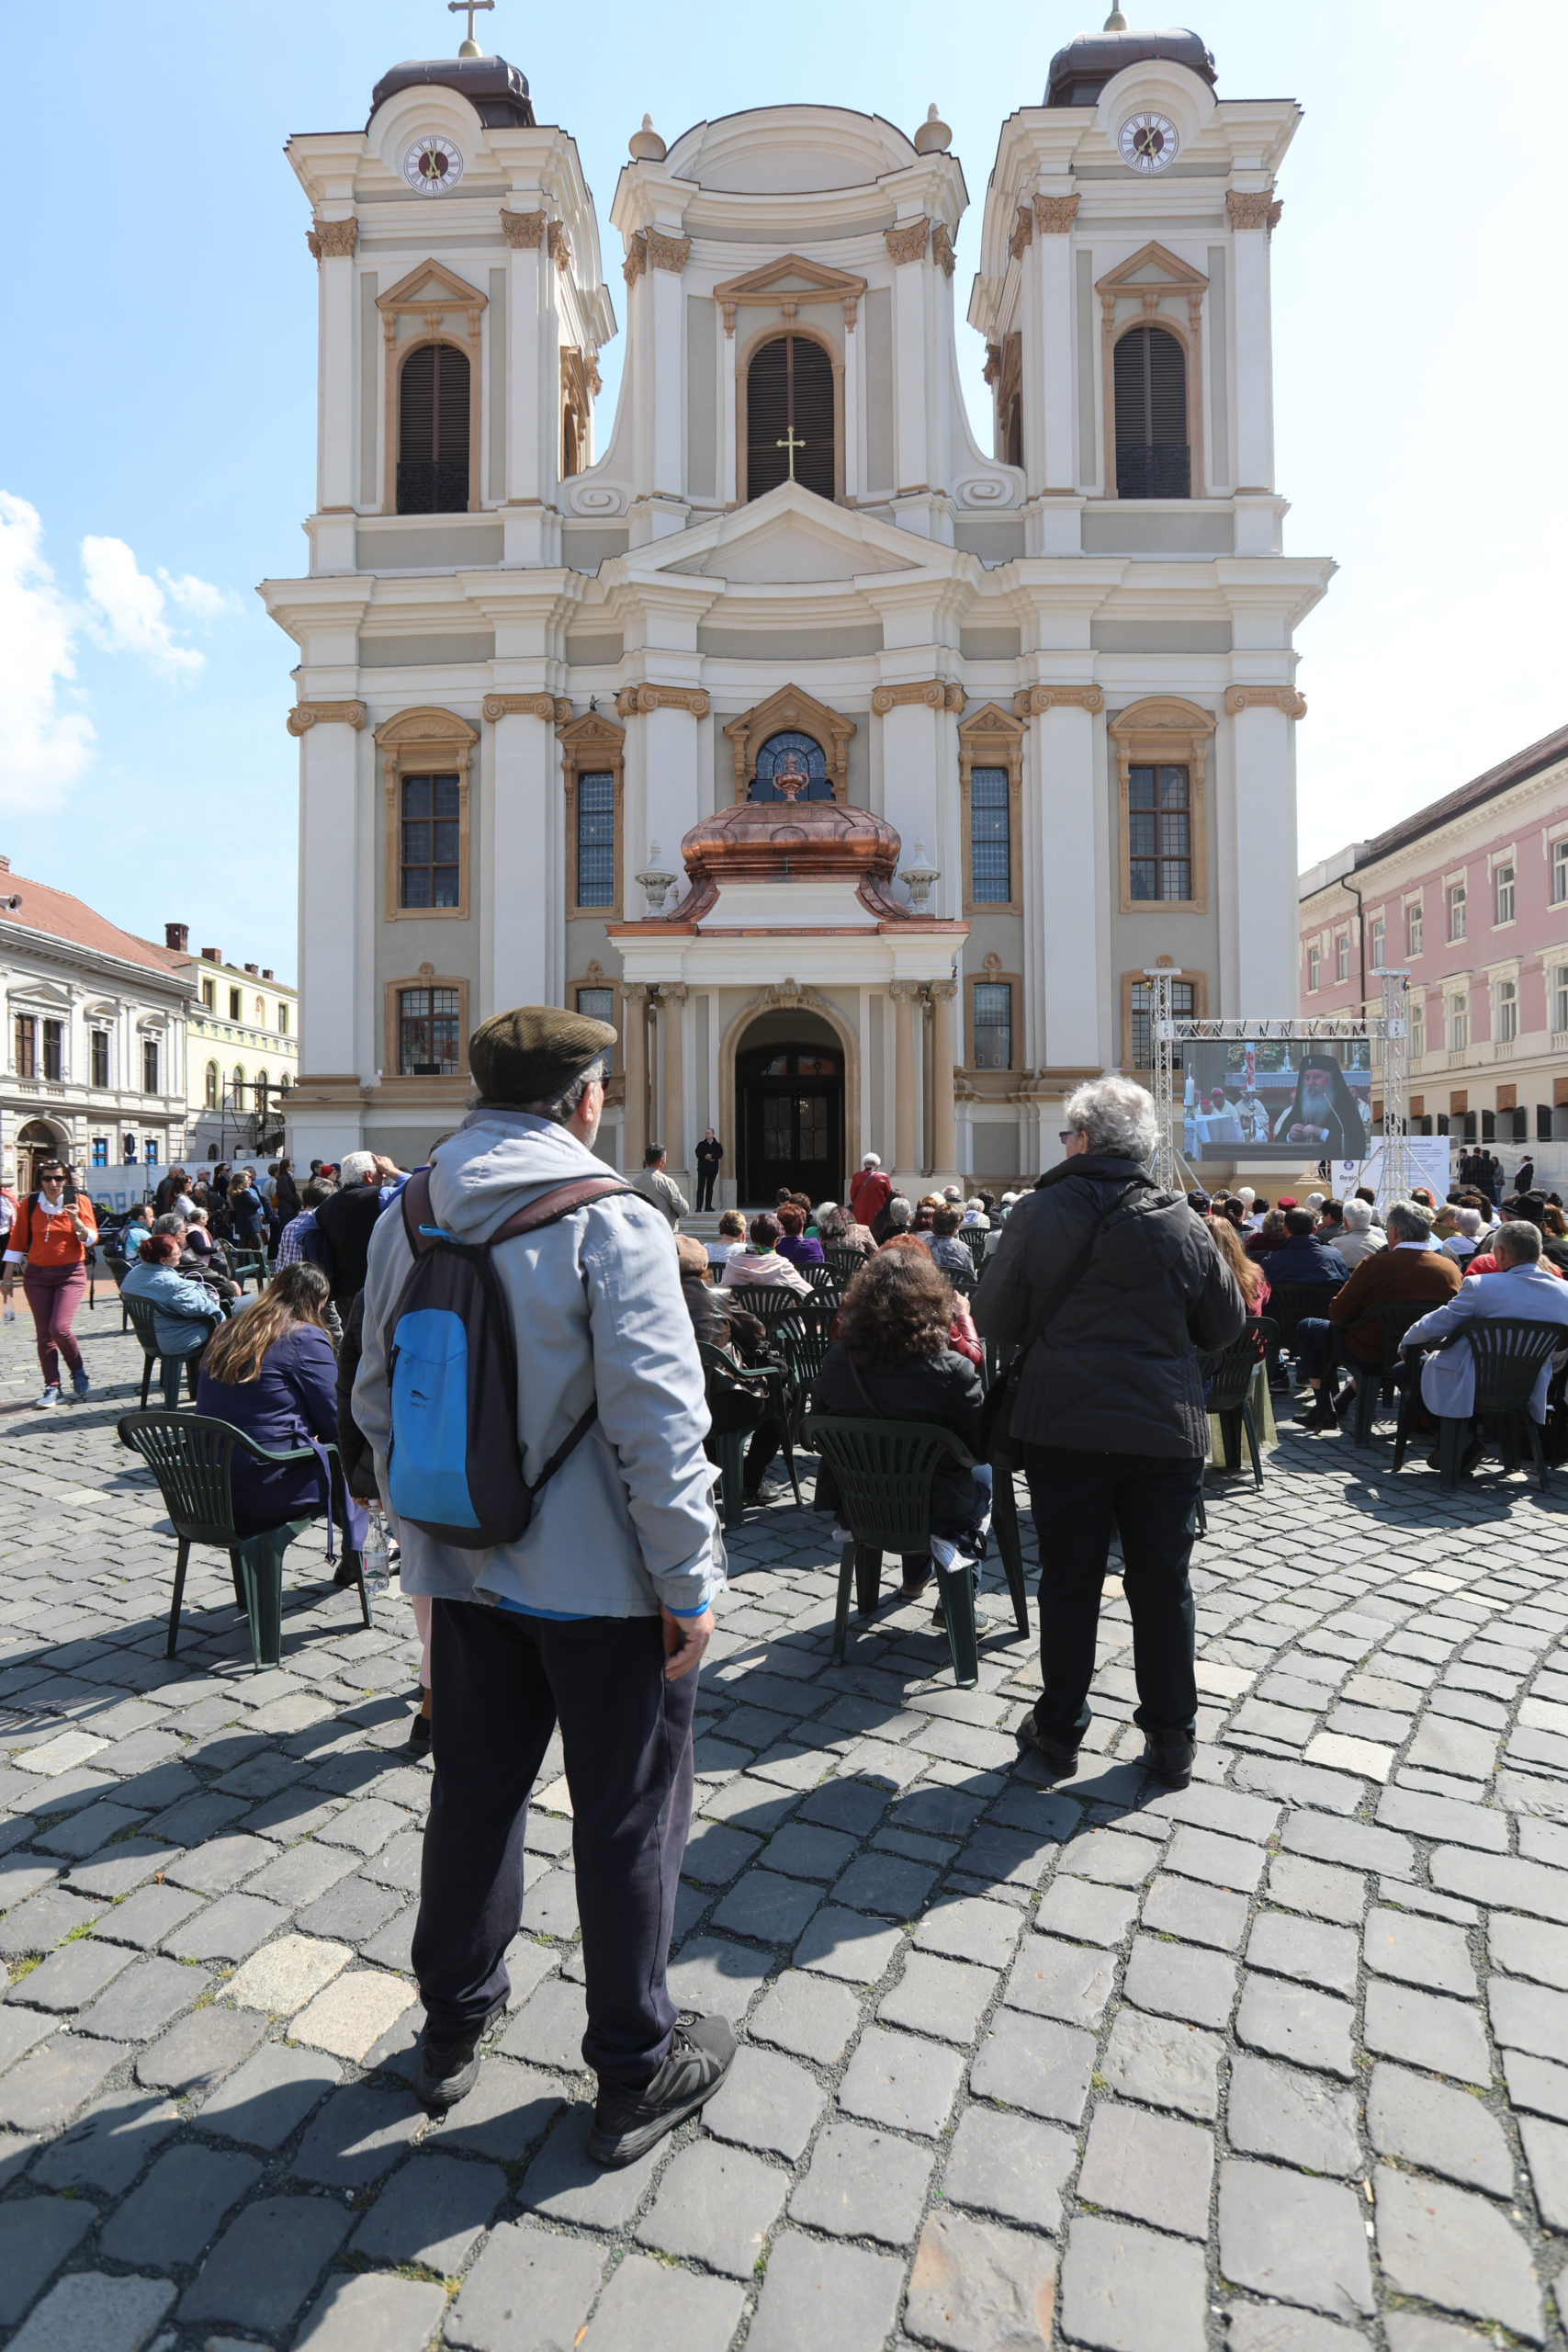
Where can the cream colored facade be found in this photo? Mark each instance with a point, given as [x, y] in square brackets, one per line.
[242, 1057]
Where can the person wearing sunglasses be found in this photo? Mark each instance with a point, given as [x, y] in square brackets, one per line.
[53, 1232]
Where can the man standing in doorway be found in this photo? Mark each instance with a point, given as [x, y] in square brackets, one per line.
[710, 1151]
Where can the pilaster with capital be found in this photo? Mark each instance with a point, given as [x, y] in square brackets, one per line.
[634, 1134]
[532, 361]
[332, 243]
[1252, 213]
[672, 998]
[944, 1143]
[905, 995]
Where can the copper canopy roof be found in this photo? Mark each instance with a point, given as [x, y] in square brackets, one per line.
[497, 92]
[801, 840]
[1080, 70]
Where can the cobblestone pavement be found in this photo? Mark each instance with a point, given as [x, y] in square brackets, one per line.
[1276, 2064]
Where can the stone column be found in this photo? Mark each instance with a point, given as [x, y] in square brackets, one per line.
[329, 868]
[1263, 758]
[671, 1016]
[333, 242]
[904, 994]
[1252, 214]
[944, 1149]
[634, 1129]
[526, 817]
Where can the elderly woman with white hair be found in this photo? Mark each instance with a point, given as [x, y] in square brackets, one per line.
[1109, 1286]
[1359, 1238]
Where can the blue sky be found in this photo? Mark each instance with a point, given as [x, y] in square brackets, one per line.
[157, 417]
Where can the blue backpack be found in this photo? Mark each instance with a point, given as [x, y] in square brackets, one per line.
[456, 1470]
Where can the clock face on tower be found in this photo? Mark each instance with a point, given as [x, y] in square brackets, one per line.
[1148, 143]
[433, 165]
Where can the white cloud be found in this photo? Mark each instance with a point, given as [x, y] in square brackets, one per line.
[43, 748]
[124, 608]
[200, 598]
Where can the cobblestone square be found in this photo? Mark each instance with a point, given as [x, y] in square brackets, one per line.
[1280, 2061]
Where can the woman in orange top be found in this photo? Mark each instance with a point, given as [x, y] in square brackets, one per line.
[50, 1239]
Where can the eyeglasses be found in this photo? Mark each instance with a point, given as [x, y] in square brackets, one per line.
[1068, 1135]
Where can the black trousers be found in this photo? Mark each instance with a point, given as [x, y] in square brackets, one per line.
[1151, 1502]
[499, 1684]
[705, 1179]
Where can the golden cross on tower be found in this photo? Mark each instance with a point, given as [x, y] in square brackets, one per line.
[470, 46]
[792, 443]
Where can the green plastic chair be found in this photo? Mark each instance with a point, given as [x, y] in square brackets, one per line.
[1391, 1321]
[1510, 1353]
[191, 1455]
[1227, 1374]
[143, 1318]
[884, 1472]
[769, 1302]
[803, 1341]
[842, 1264]
[769, 1385]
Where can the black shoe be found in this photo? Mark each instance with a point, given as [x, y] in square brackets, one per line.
[419, 1736]
[1059, 1761]
[1320, 1414]
[627, 2123]
[347, 1573]
[1169, 1760]
[449, 2063]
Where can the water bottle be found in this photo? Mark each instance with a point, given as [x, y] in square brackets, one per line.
[374, 1558]
[10, 1312]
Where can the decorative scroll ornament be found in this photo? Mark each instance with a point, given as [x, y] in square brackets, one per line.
[668, 253]
[636, 261]
[555, 708]
[1054, 215]
[306, 715]
[1247, 209]
[910, 242]
[559, 244]
[934, 692]
[1285, 698]
[941, 249]
[523, 231]
[1022, 231]
[333, 240]
[1034, 702]
[636, 702]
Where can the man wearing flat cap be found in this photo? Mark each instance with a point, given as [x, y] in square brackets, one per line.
[595, 1619]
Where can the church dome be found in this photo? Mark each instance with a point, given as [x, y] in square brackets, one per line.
[497, 92]
[1081, 71]
[802, 840]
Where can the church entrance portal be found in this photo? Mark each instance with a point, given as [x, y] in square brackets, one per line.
[789, 1101]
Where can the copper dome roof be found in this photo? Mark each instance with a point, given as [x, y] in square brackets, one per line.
[803, 841]
[1080, 71]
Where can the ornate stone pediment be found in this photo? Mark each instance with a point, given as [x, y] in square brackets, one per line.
[431, 292]
[790, 708]
[448, 739]
[1150, 276]
[790, 284]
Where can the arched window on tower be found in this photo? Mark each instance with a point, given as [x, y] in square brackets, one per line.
[1153, 456]
[433, 431]
[791, 410]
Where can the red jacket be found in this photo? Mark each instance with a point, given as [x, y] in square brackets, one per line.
[870, 1192]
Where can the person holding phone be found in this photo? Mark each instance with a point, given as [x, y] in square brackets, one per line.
[50, 1239]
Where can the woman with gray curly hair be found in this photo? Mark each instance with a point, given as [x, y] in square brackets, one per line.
[1107, 1286]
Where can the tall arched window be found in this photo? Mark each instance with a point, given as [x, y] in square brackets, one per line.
[790, 411]
[237, 1087]
[1153, 456]
[433, 431]
[210, 1096]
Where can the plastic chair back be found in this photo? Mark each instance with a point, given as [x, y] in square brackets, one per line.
[1508, 1355]
[974, 1237]
[842, 1264]
[823, 1280]
[1292, 1303]
[803, 1342]
[191, 1455]
[1227, 1372]
[769, 1303]
[884, 1471]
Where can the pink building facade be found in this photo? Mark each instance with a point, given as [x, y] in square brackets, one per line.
[1470, 896]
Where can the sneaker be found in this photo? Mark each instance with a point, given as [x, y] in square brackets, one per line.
[449, 2063]
[51, 1393]
[627, 2123]
[80, 1382]
[1169, 1760]
[1059, 1761]
[419, 1736]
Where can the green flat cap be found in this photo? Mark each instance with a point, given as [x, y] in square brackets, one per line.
[533, 1053]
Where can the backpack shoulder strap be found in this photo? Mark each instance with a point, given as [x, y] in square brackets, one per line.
[414, 1202]
[559, 1201]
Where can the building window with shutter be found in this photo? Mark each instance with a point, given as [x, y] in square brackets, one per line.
[209, 996]
[993, 1024]
[1559, 999]
[991, 839]
[1418, 1028]
[235, 1005]
[433, 431]
[1377, 942]
[1153, 456]
[282, 1020]
[148, 1066]
[791, 413]
[26, 1045]
[1458, 1023]
[1506, 1025]
[100, 1053]
[599, 1004]
[429, 841]
[1315, 968]
[53, 1050]
[427, 1033]
[211, 1087]
[1503, 886]
[1559, 873]
[1342, 956]
[1456, 911]
[1183, 1007]
[596, 841]
[1159, 834]
[1415, 928]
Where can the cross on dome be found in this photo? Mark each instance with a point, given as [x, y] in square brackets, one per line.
[470, 46]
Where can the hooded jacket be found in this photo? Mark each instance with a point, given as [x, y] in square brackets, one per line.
[1115, 1371]
[627, 1521]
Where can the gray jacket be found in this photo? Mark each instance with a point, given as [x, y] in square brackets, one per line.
[1116, 1371]
[627, 1522]
[664, 1192]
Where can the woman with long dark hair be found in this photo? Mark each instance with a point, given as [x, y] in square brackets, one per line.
[271, 1372]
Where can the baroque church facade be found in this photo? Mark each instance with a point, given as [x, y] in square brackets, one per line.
[856, 773]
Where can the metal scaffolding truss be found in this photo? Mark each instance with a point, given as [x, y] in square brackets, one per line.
[1384, 1031]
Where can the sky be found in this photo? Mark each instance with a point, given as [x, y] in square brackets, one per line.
[156, 447]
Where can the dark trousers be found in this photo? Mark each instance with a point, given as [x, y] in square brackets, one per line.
[499, 1683]
[705, 1180]
[1079, 1500]
[1315, 1347]
[54, 1293]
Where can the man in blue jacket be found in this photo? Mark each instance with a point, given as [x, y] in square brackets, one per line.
[1302, 1257]
[595, 1618]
